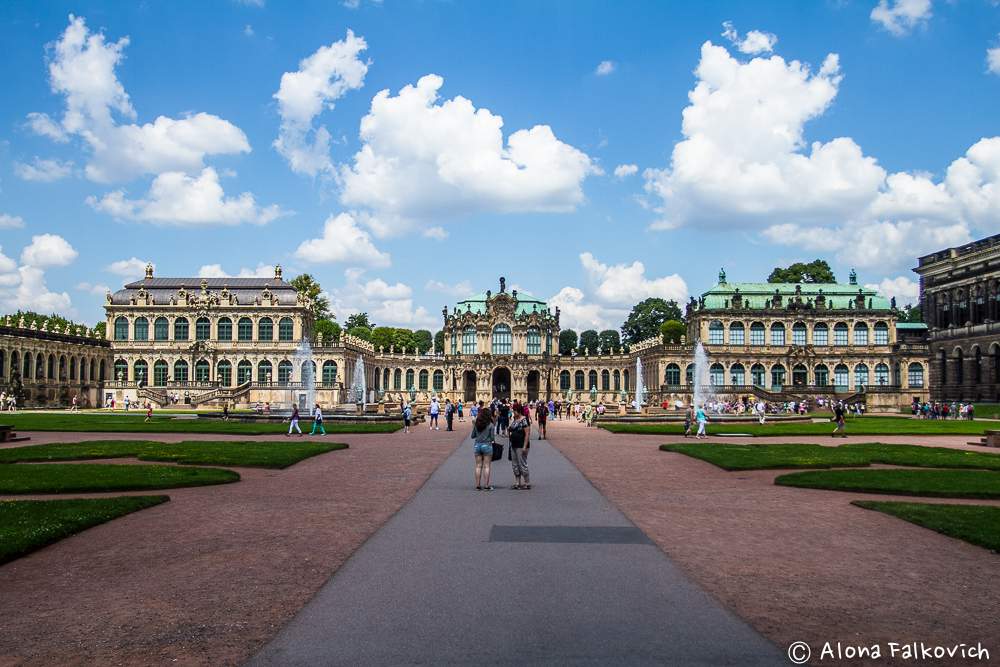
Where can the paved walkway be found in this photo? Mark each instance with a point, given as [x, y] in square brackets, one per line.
[551, 575]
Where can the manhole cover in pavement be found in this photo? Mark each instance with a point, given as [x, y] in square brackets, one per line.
[570, 534]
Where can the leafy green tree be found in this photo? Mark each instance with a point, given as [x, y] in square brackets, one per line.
[383, 337]
[567, 341]
[364, 333]
[102, 329]
[646, 317]
[425, 340]
[403, 339]
[816, 271]
[358, 320]
[326, 330]
[672, 330]
[610, 340]
[912, 314]
[589, 340]
[439, 342]
[51, 321]
[307, 286]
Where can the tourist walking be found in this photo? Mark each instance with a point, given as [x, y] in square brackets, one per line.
[449, 413]
[483, 434]
[518, 435]
[293, 421]
[149, 411]
[688, 421]
[542, 417]
[407, 415]
[225, 411]
[838, 417]
[318, 421]
[75, 408]
[702, 420]
[461, 411]
[435, 409]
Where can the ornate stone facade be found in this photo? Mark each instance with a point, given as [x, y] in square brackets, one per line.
[960, 298]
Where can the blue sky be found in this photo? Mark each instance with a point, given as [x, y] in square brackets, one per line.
[715, 134]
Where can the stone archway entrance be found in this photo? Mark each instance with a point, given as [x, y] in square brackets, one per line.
[501, 382]
[533, 382]
[469, 386]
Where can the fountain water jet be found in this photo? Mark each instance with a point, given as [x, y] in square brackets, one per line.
[359, 388]
[703, 389]
[640, 389]
[303, 354]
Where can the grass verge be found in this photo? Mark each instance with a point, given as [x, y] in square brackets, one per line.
[28, 525]
[764, 456]
[26, 421]
[977, 524]
[855, 426]
[18, 479]
[256, 454]
[934, 483]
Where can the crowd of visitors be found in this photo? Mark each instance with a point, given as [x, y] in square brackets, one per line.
[8, 402]
[943, 410]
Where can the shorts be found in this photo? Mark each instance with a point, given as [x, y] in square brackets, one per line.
[483, 449]
[406, 422]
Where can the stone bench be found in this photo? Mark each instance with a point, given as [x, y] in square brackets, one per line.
[990, 439]
[7, 434]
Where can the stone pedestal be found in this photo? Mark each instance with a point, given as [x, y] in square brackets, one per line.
[621, 409]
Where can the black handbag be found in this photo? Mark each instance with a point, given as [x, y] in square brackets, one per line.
[497, 451]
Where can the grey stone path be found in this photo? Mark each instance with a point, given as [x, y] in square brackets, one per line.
[554, 575]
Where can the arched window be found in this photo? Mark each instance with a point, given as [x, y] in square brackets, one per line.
[757, 333]
[716, 375]
[161, 329]
[202, 329]
[777, 376]
[469, 340]
[121, 370]
[799, 334]
[160, 371]
[534, 341]
[224, 373]
[26, 370]
[397, 379]
[307, 372]
[244, 329]
[860, 333]
[564, 381]
[737, 334]
[39, 367]
[244, 372]
[592, 380]
[840, 332]
[959, 366]
[438, 380]
[501, 339]
[330, 373]
[821, 334]
[62, 368]
[385, 379]
[140, 371]
[716, 333]
[265, 329]
[738, 375]
[180, 371]
[284, 371]
[265, 372]
[409, 379]
[822, 375]
[454, 342]
[202, 370]
[72, 366]
[617, 378]
[578, 381]
[881, 333]
[141, 328]
[777, 334]
[225, 328]
[689, 375]
[800, 375]
[181, 330]
[672, 375]
[423, 379]
[605, 380]
[915, 375]
[101, 376]
[625, 382]
[548, 342]
[121, 328]
[757, 375]
[977, 366]
[860, 376]
[841, 377]
[286, 329]
[881, 374]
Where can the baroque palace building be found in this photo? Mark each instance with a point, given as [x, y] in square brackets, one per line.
[960, 299]
[249, 340]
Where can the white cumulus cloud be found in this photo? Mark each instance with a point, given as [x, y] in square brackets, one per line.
[386, 304]
[575, 312]
[755, 41]
[216, 271]
[604, 68]
[129, 269]
[460, 289]
[11, 221]
[902, 288]
[48, 250]
[625, 170]
[43, 170]
[342, 241]
[900, 17]
[627, 284]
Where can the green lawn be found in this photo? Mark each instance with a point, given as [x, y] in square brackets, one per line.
[935, 483]
[89, 477]
[855, 426]
[39, 421]
[978, 524]
[27, 525]
[756, 457]
[260, 454]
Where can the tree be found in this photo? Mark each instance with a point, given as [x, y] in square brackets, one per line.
[403, 339]
[567, 341]
[816, 271]
[51, 322]
[364, 333]
[912, 313]
[382, 337]
[646, 317]
[425, 340]
[326, 330]
[307, 286]
[358, 320]
[101, 329]
[589, 340]
[672, 330]
[439, 342]
[610, 340]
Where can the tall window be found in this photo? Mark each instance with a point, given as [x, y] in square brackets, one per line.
[181, 330]
[777, 376]
[202, 329]
[244, 329]
[534, 341]
[578, 380]
[564, 381]
[160, 370]
[591, 380]
[469, 340]
[330, 373]
[822, 374]
[454, 342]
[756, 333]
[717, 375]
[737, 334]
[244, 372]
[409, 379]
[618, 380]
[689, 375]
[224, 373]
[423, 379]
[605, 380]
[161, 329]
[397, 379]
[225, 328]
[121, 328]
[757, 375]
[798, 334]
[881, 333]
[860, 376]
[501, 339]
[438, 380]
[140, 370]
[777, 334]
[265, 372]
[738, 375]
[860, 333]
[265, 329]
[548, 342]
[284, 372]
[307, 371]
[881, 375]
[180, 371]
[672, 376]
[286, 329]
[821, 334]
[915, 375]
[716, 333]
[141, 328]
[840, 333]
[841, 375]
[201, 371]
[121, 370]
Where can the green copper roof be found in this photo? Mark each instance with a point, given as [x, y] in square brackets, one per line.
[911, 325]
[526, 303]
[838, 295]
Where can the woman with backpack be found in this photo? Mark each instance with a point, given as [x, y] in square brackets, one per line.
[482, 436]
[518, 434]
[407, 414]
